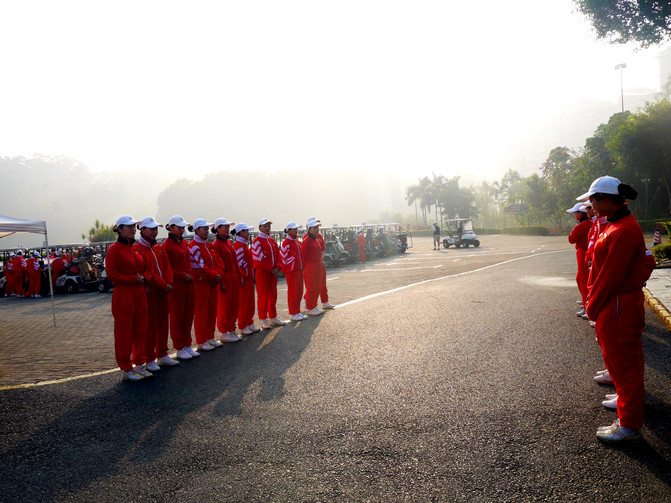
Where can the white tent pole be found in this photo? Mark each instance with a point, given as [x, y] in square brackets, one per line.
[51, 283]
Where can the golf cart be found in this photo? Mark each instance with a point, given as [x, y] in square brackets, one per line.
[460, 233]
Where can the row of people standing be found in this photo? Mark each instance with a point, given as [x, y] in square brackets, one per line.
[170, 288]
[613, 266]
[23, 277]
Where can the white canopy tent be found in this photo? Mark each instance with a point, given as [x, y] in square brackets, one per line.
[9, 226]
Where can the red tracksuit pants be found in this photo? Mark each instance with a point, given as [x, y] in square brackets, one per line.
[34, 283]
[619, 326]
[19, 279]
[323, 291]
[9, 284]
[246, 304]
[362, 253]
[312, 276]
[157, 331]
[583, 274]
[266, 290]
[228, 305]
[129, 309]
[205, 320]
[181, 301]
[295, 291]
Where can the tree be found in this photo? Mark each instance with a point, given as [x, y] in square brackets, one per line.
[412, 195]
[100, 232]
[556, 171]
[647, 22]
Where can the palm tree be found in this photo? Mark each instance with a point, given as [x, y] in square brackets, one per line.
[412, 195]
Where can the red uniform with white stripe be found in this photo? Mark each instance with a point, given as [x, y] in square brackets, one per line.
[205, 271]
[19, 269]
[580, 238]
[181, 298]
[228, 301]
[265, 255]
[244, 259]
[159, 275]
[312, 269]
[34, 276]
[620, 269]
[291, 264]
[323, 291]
[129, 303]
[10, 287]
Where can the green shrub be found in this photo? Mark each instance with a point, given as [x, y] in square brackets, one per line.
[488, 230]
[533, 230]
[662, 252]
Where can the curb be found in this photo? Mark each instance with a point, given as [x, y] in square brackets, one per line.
[658, 307]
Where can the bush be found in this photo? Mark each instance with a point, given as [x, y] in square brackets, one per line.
[662, 252]
[533, 230]
[487, 230]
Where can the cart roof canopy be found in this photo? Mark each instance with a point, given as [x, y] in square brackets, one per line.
[10, 225]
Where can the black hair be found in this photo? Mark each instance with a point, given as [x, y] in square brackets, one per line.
[190, 228]
[233, 233]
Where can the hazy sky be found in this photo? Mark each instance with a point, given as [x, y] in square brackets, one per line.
[189, 88]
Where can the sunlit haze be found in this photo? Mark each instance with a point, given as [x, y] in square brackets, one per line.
[182, 89]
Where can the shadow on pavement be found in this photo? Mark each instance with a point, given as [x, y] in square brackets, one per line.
[133, 423]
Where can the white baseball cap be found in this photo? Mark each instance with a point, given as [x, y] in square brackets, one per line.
[604, 185]
[586, 206]
[126, 220]
[313, 222]
[221, 221]
[178, 221]
[36, 253]
[200, 222]
[264, 221]
[149, 223]
[292, 225]
[576, 208]
[242, 227]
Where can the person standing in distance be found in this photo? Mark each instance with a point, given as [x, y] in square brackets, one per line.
[266, 259]
[436, 236]
[246, 299]
[291, 262]
[228, 296]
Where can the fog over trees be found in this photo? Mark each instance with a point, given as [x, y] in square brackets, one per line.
[66, 194]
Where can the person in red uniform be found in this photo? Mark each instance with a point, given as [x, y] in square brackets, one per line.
[361, 244]
[58, 265]
[311, 252]
[181, 298]
[579, 238]
[323, 290]
[246, 300]
[620, 268]
[19, 268]
[34, 275]
[125, 268]
[266, 260]
[291, 264]
[228, 301]
[10, 289]
[206, 277]
[158, 276]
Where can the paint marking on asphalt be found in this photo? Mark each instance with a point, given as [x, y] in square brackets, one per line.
[393, 290]
[339, 306]
[334, 277]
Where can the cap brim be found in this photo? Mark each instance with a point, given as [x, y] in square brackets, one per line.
[584, 196]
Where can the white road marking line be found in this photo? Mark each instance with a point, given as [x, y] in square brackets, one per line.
[456, 260]
[331, 279]
[339, 306]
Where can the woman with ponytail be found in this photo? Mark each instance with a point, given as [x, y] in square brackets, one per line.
[125, 268]
[620, 267]
[246, 293]
[578, 237]
[291, 264]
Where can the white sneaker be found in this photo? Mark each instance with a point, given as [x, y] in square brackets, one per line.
[247, 331]
[610, 404]
[600, 372]
[265, 325]
[610, 396]
[184, 354]
[584, 316]
[579, 302]
[166, 361]
[274, 322]
[327, 305]
[603, 378]
[152, 366]
[214, 343]
[230, 337]
[592, 324]
[192, 352]
[205, 347]
[143, 371]
[296, 317]
[315, 312]
[254, 328]
[37, 296]
[131, 375]
[581, 313]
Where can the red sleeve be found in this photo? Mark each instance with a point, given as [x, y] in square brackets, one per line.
[175, 254]
[260, 258]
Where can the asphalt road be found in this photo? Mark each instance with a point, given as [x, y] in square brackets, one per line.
[441, 376]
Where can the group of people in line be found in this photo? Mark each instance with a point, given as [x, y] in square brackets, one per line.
[170, 288]
[23, 276]
[613, 266]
